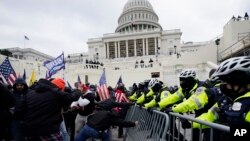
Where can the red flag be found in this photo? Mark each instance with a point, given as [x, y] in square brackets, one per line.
[102, 87]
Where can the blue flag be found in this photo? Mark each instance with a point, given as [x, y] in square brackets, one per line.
[55, 65]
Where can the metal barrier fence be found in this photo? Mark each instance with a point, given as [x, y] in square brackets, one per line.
[158, 126]
[152, 126]
[207, 134]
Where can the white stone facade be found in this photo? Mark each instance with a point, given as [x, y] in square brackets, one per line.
[142, 38]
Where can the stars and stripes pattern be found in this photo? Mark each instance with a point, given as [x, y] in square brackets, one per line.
[8, 72]
[102, 87]
[120, 96]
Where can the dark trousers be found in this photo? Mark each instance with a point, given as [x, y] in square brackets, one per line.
[173, 132]
[88, 132]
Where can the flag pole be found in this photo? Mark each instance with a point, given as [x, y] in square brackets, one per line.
[24, 42]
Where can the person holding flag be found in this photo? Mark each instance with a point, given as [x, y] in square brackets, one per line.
[7, 100]
[8, 72]
[121, 98]
[32, 78]
[102, 88]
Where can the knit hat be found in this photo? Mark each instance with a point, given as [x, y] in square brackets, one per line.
[59, 83]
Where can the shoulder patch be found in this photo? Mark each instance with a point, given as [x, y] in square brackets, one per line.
[236, 106]
[200, 89]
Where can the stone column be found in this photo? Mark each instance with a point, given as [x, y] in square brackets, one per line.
[159, 45]
[146, 46]
[155, 46]
[115, 49]
[126, 48]
[108, 49]
[143, 46]
[119, 50]
[135, 52]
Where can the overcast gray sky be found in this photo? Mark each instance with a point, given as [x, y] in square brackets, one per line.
[54, 26]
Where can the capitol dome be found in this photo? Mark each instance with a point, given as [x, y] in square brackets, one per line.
[138, 15]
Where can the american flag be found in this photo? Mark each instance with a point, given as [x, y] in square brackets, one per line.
[79, 80]
[120, 96]
[119, 81]
[102, 87]
[8, 72]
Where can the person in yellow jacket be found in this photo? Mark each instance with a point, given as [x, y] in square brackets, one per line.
[232, 109]
[138, 91]
[146, 97]
[188, 86]
[159, 95]
[201, 100]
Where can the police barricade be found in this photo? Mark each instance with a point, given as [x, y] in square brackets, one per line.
[212, 132]
[153, 125]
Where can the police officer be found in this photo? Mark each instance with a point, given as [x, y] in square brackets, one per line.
[148, 95]
[188, 85]
[233, 108]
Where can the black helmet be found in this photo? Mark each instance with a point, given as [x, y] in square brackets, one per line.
[121, 87]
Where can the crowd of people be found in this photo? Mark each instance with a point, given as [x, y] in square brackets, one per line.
[50, 111]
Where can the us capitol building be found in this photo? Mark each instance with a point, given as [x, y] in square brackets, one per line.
[140, 49]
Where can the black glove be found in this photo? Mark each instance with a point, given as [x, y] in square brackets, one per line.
[167, 110]
[140, 106]
[150, 110]
[185, 124]
[158, 98]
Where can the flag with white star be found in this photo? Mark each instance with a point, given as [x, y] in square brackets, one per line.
[8, 72]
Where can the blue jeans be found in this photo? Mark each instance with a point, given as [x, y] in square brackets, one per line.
[88, 132]
[64, 132]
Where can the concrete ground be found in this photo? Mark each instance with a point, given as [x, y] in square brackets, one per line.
[115, 134]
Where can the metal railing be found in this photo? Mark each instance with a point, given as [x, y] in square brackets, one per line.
[158, 126]
[152, 126]
[191, 134]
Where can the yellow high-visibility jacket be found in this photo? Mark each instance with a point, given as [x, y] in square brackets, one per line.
[176, 97]
[143, 97]
[239, 107]
[152, 103]
[194, 102]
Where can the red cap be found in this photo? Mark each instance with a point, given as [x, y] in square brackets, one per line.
[59, 83]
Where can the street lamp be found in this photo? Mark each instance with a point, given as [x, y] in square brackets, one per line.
[217, 42]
